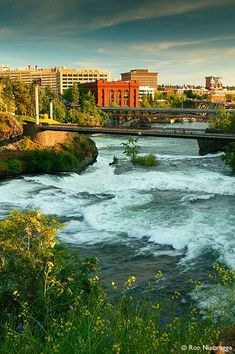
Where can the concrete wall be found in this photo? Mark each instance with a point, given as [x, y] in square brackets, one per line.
[50, 138]
[47, 138]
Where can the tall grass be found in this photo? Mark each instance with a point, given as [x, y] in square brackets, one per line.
[53, 302]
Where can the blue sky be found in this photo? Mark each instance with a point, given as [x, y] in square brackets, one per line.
[184, 40]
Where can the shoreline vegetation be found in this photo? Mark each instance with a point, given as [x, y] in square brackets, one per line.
[226, 121]
[27, 157]
[131, 150]
[51, 301]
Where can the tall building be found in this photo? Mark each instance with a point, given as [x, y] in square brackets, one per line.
[147, 91]
[4, 67]
[27, 75]
[59, 79]
[67, 77]
[120, 93]
[145, 78]
[214, 83]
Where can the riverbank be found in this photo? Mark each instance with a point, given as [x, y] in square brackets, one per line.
[29, 157]
[54, 302]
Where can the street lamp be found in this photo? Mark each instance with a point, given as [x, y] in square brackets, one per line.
[37, 82]
[51, 108]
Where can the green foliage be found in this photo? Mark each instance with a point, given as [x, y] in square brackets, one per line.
[146, 101]
[72, 94]
[131, 148]
[9, 126]
[59, 110]
[51, 301]
[49, 161]
[36, 271]
[24, 143]
[15, 167]
[115, 160]
[175, 100]
[229, 157]
[223, 119]
[147, 160]
[3, 167]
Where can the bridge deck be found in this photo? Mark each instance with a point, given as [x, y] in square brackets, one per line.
[163, 110]
[158, 132]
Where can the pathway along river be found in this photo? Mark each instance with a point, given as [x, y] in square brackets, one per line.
[178, 217]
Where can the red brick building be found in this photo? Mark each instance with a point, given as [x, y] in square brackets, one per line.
[120, 93]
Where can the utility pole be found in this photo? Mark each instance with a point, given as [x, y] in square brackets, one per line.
[37, 82]
[51, 109]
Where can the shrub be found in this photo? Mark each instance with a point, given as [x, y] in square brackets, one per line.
[15, 166]
[51, 301]
[115, 160]
[3, 166]
[36, 270]
[24, 144]
[49, 161]
[147, 160]
[229, 157]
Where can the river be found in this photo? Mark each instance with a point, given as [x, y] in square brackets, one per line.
[178, 217]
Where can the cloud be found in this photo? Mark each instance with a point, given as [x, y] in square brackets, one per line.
[148, 47]
[153, 9]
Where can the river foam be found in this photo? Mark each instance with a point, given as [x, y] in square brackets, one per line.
[191, 210]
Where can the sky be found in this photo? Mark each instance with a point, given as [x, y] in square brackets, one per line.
[183, 40]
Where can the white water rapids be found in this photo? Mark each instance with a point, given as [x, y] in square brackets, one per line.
[182, 210]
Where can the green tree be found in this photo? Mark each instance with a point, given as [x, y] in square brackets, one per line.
[37, 270]
[88, 102]
[229, 157]
[59, 110]
[145, 102]
[175, 100]
[72, 94]
[131, 148]
[222, 120]
[75, 93]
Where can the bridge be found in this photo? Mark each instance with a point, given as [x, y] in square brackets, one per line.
[180, 133]
[157, 110]
[131, 116]
[209, 140]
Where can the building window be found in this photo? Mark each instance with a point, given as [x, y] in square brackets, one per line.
[135, 98]
[126, 98]
[111, 96]
[103, 97]
[119, 98]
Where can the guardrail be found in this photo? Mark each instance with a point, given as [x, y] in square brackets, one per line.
[161, 132]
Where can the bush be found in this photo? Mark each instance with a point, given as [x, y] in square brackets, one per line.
[147, 160]
[115, 160]
[24, 144]
[36, 271]
[3, 166]
[229, 157]
[48, 161]
[15, 167]
[51, 301]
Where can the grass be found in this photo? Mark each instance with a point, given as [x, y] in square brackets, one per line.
[121, 326]
[41, 120]
[52, 302]
[146, 160]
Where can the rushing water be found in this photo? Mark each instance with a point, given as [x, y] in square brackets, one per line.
[178, 217]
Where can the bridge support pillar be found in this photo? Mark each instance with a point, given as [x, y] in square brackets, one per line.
[210, 146]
